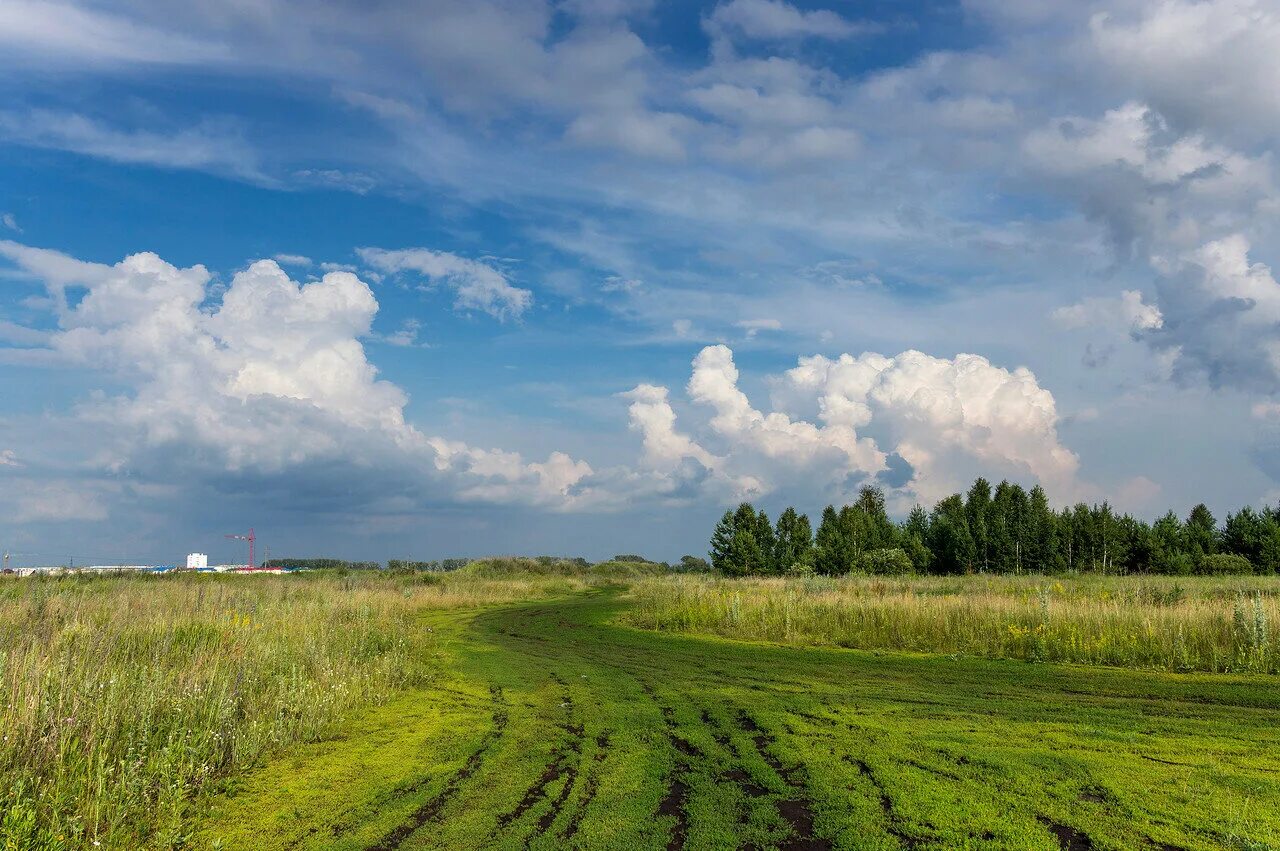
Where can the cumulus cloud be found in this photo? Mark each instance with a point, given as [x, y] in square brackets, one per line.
[942, 415]
[10, 222]
[1221, 316]
[9, 458]
[476, 285]
[774, 19]
[935, 421]
[272, 380]
[664, 447]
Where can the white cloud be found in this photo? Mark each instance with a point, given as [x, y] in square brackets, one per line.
[1127, 313]
[755, 326]
[405, 337]
[21, 335]
[59, 32]
[292, 259]
[773, 19]
[945, 416]
[940, 420]
[10, 222]
[653, 135]
[1200, 60]
[1221, 316]
[1138, 495]
[9, 458]
[207, 146]
[476, 285]
[272, 381]
[664, 447]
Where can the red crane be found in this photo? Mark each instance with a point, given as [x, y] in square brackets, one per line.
[250, 538]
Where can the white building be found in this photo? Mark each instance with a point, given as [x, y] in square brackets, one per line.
[197, 561]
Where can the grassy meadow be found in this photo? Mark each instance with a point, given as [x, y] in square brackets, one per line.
[546, 705]
[121, 697]
[1214, 624]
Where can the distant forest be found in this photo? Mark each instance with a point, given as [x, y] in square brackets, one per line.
[1002, 530]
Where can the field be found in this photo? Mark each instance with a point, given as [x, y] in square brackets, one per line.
[534, 712]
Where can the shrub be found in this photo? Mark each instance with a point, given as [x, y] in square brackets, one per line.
[1225, 563]
[892, 561]
[694, 564]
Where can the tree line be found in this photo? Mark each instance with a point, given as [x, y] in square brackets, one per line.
[1004, 529]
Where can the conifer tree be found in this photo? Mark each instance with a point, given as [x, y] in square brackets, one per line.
[767, 544]
[829, 546]
[794, 541]
[721, 541]
[744, 553]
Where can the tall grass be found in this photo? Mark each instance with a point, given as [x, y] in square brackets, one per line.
[122, 697]
[1182, 624]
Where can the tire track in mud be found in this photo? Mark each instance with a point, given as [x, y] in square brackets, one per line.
[675, 802]
[589, 786]
[565, 759]
[891, 816]
[431, 810]
[796, 809]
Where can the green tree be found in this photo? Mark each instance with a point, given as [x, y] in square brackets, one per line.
[1200, 533]
[721, 542]
[765, 541]
[744, 553]
[1244, 532]
[830, 546]
[793, 541]
[878, 529]
[1044, 544]
[977, 510]
[950, 541]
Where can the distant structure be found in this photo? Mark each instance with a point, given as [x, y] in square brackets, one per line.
[197, 561]
[250, 538]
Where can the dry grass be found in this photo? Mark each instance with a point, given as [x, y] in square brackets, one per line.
[1184, 624]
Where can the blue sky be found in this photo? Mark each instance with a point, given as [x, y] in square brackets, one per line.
[470, 277]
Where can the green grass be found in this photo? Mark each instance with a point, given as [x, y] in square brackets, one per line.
[1218, 624]
[556, 727]
[495, 709]
[122, 698]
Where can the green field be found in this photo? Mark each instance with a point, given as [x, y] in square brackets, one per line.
[559, 730]
[549, 722]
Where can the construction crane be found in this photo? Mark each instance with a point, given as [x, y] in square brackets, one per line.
[250, 538]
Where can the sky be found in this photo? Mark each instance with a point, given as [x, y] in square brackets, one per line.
[453, 278]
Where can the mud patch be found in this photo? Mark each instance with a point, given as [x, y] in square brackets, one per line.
[1069, 839]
